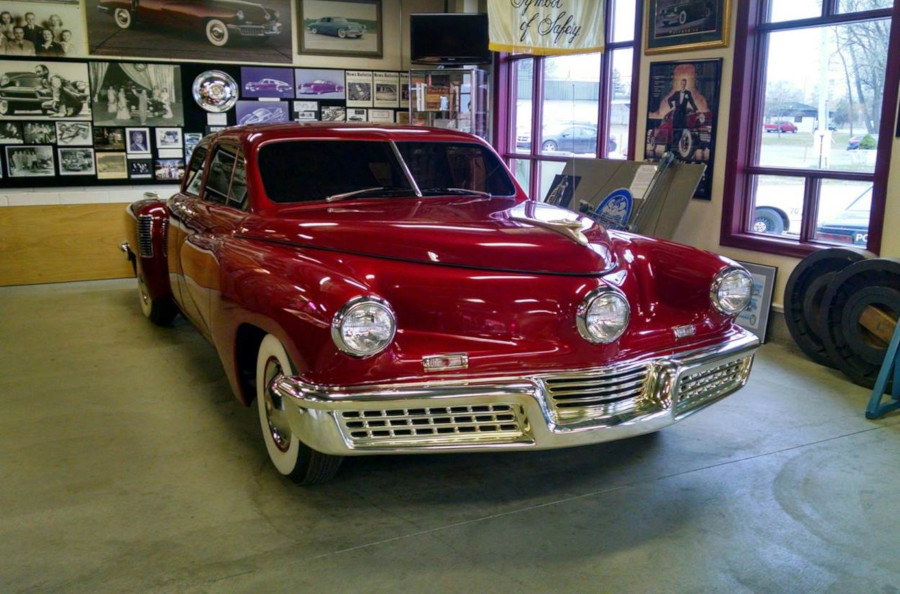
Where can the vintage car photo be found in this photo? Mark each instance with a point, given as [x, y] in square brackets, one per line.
[319, 83]
[692, 141]
[268, 84]
[259, 112]
[681, 13]
[188, 29]
[44, 90]
[337, 26]
[392, 290]
[340, 27]
[319, 87]
[74, 134]
[76, 161]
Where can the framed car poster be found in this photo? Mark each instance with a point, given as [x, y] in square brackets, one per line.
[684, 25]
[340, 27]
[359, 88]
[319, 84]
[682, 113]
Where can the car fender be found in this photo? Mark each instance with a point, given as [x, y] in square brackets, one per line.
[147, 223]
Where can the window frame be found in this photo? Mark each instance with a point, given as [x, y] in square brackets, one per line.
[506, 87]
[748, 98]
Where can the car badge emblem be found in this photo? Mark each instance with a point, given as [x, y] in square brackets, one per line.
[445, 362]
[684, 331]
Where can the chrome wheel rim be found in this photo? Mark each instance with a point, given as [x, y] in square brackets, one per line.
[216, 32]
[276, 416]
[4, 107]
[123, 18]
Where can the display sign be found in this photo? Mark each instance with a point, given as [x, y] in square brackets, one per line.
[546, 27]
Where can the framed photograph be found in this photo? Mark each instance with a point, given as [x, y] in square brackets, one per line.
[109, 139]
[11, 133]
[259, 112]
[76, 161]
[46, 90]
[383, 116]
[73, 134]
[682, 114]
[319, 83]
[112, 166]
[170, 170]
[64, 20]
[340, 27]
[334, 113]
[387, 89]
[39, 132]
[140, 169]
[191, 140]
[30, 161]
[756, 317]
[359, 88]
[306, 111]
[355, 114]
[138, 141]
[169, 138]
[130, 94]
[686, 25]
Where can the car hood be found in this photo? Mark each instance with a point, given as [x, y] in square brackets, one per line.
[483, 233]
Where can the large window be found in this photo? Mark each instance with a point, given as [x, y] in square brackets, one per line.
[559, 107]
[809, 132]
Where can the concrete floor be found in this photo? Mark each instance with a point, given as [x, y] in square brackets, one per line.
[126, 466]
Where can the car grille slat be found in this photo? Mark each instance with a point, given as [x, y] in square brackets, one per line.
[145, 236]
[592, 395]
[701, 387]
[434, 425]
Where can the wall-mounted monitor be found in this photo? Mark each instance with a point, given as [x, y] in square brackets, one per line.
[449, 38]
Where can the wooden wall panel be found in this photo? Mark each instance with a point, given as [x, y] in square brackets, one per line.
[52, 244]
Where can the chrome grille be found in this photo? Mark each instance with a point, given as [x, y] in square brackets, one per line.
[701, 387]
[457, 424]
[145, 236]
[598, 394]
[165, 237]
[252, 29]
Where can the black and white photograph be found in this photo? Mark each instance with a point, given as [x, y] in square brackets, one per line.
[683, 25]
[191, 140]
[76, 161]
[306, 111]
[140, 169]
[355, 114]
[11, 133]
[73, 134]
[135, 93]
[218, 30]
[359, 88]
[112, 166]
[43, 29]
[35, 90]
[334, 113]
[39, 132]
[169, 170]
[340, 27]
[109, 139]
[169, 138]
[387, 89]
[30, 161]
[138, 141]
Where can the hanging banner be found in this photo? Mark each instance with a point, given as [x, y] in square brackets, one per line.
[546, 27]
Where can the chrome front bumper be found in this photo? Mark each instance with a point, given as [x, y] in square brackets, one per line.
[540, 411]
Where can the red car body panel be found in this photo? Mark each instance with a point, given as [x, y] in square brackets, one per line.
[461, 275]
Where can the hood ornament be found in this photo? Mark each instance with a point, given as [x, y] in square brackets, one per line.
[559, 220]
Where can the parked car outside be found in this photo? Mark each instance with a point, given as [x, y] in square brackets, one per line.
[220, 21]
[267, 84]
[385, 289]
[850, 225]
[319, 87]
[780, 127]
[860, 139]
[578, 138]
[337, 26]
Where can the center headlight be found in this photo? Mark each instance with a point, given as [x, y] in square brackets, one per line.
[239, 15]
[603, 316]
[365, 326]
[731, 289]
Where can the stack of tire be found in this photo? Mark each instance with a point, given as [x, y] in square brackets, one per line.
[841, 307]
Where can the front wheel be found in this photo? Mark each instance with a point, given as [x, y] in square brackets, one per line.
[216, 32]
[159, 311]
[686, 145]
[342, 33]
[766, 220]
[682, 17]
[123, 18]
[549, 146]
[4, 107]
[314, 30]
[291, 457]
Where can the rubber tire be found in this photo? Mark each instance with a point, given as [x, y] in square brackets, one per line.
[870, 282]
[125, 23]
[314, 31]
[686, 145]
[298, 462]
[801, 280]
[549, 146]
[4, 107]
[159, 311]
[212, 24]
[682, 17]
[342, 33]
[773, 221]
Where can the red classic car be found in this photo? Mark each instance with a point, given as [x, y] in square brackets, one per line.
[780, 127]
[267, 84]
[318, 87]
[221, 21]
[384, 289]
[695, 136]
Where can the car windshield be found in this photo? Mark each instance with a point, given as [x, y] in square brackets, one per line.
[308, 170]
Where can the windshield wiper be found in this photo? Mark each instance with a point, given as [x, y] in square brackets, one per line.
[364, 191]
[456, 191]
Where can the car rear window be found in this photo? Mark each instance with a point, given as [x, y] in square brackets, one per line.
[306, 170]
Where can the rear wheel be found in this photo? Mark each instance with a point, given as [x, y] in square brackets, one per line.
[4, 107]
[291, 457]
[123, 18]
[682, 17]
[159, 311]
[766, 220]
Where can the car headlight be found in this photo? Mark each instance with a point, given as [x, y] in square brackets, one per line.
[731, 289]
[364, 326]
[239, 15]
[603, 316]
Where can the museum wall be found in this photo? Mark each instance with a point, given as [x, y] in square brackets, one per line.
[701, 222]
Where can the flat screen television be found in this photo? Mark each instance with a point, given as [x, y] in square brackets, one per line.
[449, 38]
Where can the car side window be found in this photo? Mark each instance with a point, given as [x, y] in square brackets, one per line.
[237, 193]
[219, 177]
[195, 172]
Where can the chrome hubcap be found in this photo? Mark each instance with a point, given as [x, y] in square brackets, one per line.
[276, 416]
[216, 32]
[122, 17]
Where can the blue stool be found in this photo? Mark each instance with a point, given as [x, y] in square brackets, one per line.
[876, 408]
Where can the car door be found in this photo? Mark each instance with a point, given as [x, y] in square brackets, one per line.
[152, 12]
[212, 223]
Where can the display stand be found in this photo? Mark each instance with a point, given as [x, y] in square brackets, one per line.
[889, 369]
[454, 98]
